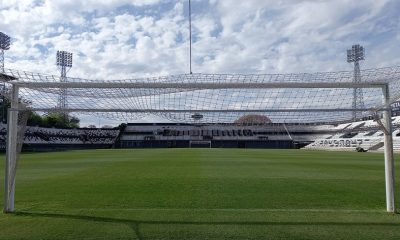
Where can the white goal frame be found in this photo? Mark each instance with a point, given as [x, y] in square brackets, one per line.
[11, 151]
[207, 143]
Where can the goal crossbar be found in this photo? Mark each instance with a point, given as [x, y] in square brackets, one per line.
[277, 110]
[144, 85]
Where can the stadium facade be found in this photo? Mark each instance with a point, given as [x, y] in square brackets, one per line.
[365, 134]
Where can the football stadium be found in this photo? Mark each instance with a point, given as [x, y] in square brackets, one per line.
[200, 155]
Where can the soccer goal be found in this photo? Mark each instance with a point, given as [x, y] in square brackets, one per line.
[207, 98]
[200, 144]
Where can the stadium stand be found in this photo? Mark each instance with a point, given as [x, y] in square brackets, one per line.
[342, 136]
[270, 135]
[363, 134]
[44, 139]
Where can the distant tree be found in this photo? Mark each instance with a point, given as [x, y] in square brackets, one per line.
[91, 126]
[35, 119]
[253, 119]
[5, 105]
[107, 126]
[74, 122]
[122, 126]
[56, 120]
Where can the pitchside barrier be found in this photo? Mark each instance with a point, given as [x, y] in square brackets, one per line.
[206, 98]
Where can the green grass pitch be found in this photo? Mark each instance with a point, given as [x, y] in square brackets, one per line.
[200, 194]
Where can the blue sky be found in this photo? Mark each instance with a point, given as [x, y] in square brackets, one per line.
[132, 38]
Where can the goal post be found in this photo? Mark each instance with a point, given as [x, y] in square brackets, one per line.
[17, 118]
[11, 151]
[219, 98]
[389, 156]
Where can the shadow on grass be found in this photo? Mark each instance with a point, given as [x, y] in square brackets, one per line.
[134, 224]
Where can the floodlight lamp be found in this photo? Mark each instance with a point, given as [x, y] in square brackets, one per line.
[356, 53]
[349, 56]
[361, 53]
[64, 59]
[4, 41]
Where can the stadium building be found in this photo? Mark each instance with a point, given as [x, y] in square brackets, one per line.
[364, 134]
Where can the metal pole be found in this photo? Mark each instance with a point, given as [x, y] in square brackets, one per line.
[355, 91]
[3, 104]
[2, 60]
[190, 37]
[11, 152]
[389, 157]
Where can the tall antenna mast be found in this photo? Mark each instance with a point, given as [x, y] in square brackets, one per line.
[190, 37]
[64, 62]
[355, 55]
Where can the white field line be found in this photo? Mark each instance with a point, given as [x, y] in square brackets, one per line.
[231, 210]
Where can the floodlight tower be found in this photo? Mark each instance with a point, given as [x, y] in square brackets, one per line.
[64, 63]
[4, 45]
[355, 55]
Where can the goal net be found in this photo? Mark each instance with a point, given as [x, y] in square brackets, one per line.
[214, 98]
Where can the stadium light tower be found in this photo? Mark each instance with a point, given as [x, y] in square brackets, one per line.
[64, 63]
[4, 45]
[355, 55]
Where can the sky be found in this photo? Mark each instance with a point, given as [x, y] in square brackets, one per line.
[125, 39]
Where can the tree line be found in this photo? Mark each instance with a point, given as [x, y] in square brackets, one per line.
[50, 120]
[56, 120]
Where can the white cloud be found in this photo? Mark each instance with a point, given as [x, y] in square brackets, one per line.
[150, 37]
[230, 36]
